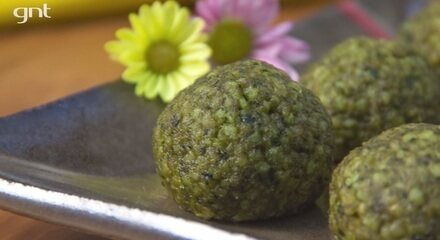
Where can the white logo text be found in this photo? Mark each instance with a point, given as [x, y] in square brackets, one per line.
[24, 13]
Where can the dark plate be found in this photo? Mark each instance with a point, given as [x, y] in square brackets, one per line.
[86, 162]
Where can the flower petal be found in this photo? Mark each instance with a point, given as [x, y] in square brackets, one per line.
[205, 10]
[164, 89]
[262, 13]
[134, 72]
[130, 56]
[124, 52]
[180, 81]
[193, 52]
[193, 31]
[195, 69]
[158, 18]
[272, 50]
[152, 86]
[179, 26]
[115, 47]
[170, 13]
[126, 34]
[257, 14]
[136, 24]
[142, 80]
[275, 33]
[294, 75]
[169, 90]
[152, 30]
[132, 39]
[295, 50]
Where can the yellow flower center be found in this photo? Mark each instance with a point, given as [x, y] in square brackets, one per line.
[230, 41]
[163, 57]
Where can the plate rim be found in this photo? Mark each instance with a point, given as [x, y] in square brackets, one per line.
[103, 218]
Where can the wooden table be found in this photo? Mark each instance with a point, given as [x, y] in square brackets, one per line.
[42, 64]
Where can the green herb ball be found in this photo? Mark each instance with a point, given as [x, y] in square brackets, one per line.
[390, 187]
[244, 142]
[423, 33]
[370, 85]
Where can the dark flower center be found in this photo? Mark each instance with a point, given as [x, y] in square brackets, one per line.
[162, 57]
[230, 41]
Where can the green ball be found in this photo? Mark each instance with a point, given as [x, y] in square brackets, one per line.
[368, 86]
[389, 188]
[422, 32]
[244, 142]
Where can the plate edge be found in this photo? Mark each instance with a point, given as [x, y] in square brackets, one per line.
[101, 217]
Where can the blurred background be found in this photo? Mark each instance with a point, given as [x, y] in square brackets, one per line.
[45, 59]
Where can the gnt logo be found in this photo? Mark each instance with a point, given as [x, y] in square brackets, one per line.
[24, 13]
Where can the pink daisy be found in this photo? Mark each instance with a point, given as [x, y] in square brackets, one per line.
[240, 29]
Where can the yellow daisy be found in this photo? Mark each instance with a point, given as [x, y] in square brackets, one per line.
[164, 51]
